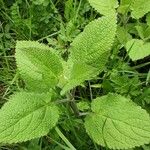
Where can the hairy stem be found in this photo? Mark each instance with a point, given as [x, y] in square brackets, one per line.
[73, 104]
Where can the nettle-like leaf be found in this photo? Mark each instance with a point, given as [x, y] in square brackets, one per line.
[138, 49]
[39, 65]
[27, 116]
[140, 8]
[105, 7]
[90, 51]
[79, 73]
[118, 123]
[93, 45]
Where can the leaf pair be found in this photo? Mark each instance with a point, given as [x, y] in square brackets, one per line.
[115, 121]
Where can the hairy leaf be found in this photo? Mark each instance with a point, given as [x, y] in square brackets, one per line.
[93, 45]
[138, 49]
[105, 7]
[39, 66]
[79, 73]
[118, 123]
[27, 116]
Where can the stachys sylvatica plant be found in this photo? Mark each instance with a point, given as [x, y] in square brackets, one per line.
[113, 121]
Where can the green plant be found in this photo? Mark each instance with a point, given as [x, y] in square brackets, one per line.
[113, 121]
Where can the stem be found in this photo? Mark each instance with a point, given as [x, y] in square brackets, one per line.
[64, 139]
[62, 101]
[91, 94]
[73, 104]
[62, 146]
[48, 36]
[11, 83]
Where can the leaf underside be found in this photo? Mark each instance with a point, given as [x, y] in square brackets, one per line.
[118, 123]
[27, 116]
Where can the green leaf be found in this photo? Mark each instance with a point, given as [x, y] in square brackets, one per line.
[79, 73]
[118, 123]
[138, 49]
[26, 116]
[39, 65]
[124, 6]
[93, 45]
[90, 51]
[105, 7]
[140, 8]
[83, 105]
[123, 35]
[140, 30]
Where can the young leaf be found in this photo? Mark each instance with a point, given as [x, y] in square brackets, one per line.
[39, 65]
[137, 49]
[124, 6]
[105, 7]
[92, 46]
[118, 123]
[27, 116]
[123, 35]
[140, 8]
[79, 73]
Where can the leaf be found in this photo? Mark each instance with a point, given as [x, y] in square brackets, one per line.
[140, 30]
[105, 7]
[140, 8]
[90, 52]
[83, 105]
[79, 73]
[123, 35]
[38, 65]
[27, 116]
[138, 49]
[124, 6]
[118, 123]
[92, 46]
